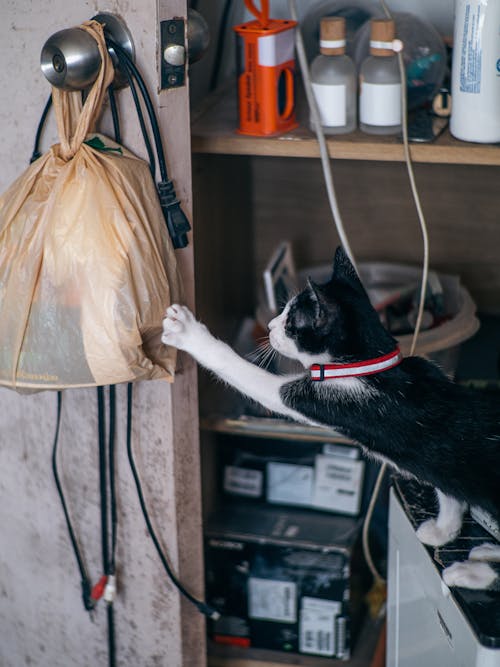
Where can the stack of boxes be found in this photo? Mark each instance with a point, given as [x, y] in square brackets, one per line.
[282, 554]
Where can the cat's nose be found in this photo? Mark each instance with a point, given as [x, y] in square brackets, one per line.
[271, 324]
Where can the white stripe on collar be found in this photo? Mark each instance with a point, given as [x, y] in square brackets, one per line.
[368, 367]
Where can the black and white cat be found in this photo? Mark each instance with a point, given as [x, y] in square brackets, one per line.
[403, 411]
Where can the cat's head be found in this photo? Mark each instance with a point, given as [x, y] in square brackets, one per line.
[334, 321]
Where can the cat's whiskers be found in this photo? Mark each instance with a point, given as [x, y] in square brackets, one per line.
[260, 349]
[268, 357]
[263, 354]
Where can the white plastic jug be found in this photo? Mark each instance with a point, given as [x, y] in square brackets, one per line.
[475, 81]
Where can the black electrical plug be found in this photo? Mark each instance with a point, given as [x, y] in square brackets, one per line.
[177, 224]
[88, 601]
[208, 610]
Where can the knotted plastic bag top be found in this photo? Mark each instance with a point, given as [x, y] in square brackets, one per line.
[73, 122]
[87, 268]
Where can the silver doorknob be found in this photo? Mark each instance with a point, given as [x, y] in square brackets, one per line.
[198, 35]
[70, 59]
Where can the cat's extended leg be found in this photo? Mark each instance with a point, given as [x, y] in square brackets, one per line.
[446, 526]
[182, 330]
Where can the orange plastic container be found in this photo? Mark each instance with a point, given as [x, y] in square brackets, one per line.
[266, 74]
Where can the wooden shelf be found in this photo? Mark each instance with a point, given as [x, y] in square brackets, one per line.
[369, 651]
[277, 429]
[214, 131]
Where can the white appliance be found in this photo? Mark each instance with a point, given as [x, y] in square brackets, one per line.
[427, 622]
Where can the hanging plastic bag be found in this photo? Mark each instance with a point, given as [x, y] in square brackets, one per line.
[86, 266]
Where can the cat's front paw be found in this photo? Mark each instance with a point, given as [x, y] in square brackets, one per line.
[486, 552]
[431, 533]
[469, 574]
[181, 329]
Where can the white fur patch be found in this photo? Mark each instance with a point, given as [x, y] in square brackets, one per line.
[354, 386]
[447, 524]
[475, 572]
[434, 535]
[469, 574]
[181, 329]
[486, 552]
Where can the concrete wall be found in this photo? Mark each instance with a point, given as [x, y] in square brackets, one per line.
[42, 620]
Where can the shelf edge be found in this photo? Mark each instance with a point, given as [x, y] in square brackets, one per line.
[343, 150]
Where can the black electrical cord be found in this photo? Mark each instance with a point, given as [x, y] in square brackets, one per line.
[106, 460]
[112, 478]
[41, 124]
[88, 602]
[101, 426]
[220, 44]
[128, 66]
[114, 522]
[177, 223]
[142, 124]
[114, 114]
[112, 391]
[178, 226]
[203, 607]
[110, 613]
[106, 464]
[36, 149]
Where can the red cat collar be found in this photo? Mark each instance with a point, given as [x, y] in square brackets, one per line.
[368, 367]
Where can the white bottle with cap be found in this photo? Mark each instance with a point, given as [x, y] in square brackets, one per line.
[333, 78]
[475, 72]
[380, 82]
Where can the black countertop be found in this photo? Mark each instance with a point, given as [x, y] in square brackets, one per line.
[481, 608]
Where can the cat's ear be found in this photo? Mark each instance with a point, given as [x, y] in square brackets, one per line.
[321, 303]
[344, 270]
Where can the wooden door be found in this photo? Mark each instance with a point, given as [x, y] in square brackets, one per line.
[42, 620]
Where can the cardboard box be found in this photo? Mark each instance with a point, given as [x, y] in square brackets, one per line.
[323, 476]
[285, 580]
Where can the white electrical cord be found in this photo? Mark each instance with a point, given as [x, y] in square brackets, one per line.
[423, 286]
[416, 198]
[323, 148]
[327, 173]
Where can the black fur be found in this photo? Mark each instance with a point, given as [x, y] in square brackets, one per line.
[442, 433]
